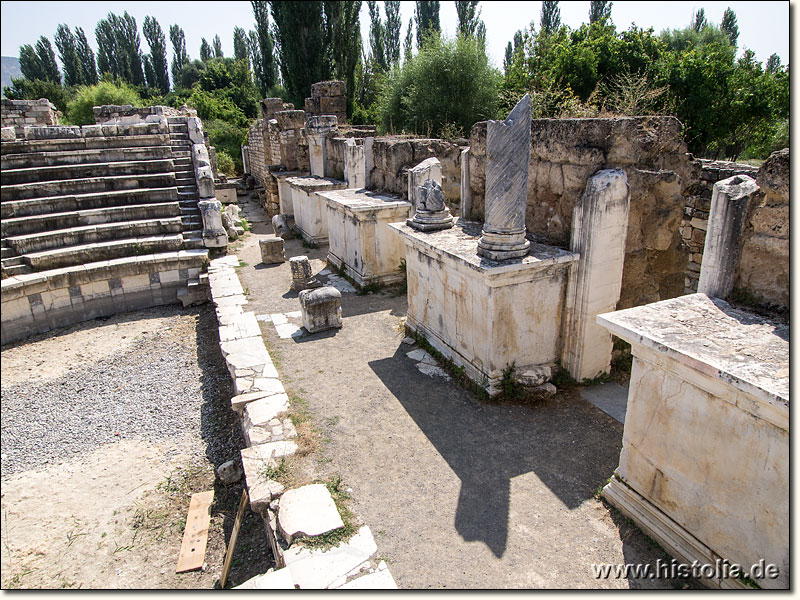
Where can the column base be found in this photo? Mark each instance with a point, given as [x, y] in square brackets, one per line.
[503, 246]
[431, 221]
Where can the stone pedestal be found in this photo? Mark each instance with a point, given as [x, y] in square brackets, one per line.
[704, 467]
[359, 238]
[302, 276]
[321, 308]
[214, 235]
[430, 168]
[430, 211]
[481, 314]
[272, 250]
[354, 165]
[310, 210]
[507, 158]
[204, 175]
[285, 201]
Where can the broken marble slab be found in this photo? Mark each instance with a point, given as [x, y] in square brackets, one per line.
[273, 580]
[238, 403]
[238, 327]
[307, 511]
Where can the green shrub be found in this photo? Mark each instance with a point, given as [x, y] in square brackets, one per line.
[214, 105]
[27, 89]
[450, 81]
[225, 163]
[79, 110]
[226, 138]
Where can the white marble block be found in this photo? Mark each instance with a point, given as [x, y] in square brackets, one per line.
[485, 315]
[321, 308]
[430, 168]
[214, 235]
[359, 238]
[354, 165]
[317, 129]
[704, 467]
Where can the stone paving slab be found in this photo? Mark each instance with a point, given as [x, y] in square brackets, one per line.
[274, 580]
[381, 579]
[307, 511]
[611, 398]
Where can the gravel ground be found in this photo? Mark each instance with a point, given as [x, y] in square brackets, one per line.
[171, 383]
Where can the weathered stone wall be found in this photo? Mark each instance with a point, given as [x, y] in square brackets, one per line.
[763, 271]
[566, 152]
[328, 98]
[125, 113]
[258, 155]
[26, 113]
[394, 156]
[695, 214]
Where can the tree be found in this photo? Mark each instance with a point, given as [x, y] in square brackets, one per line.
[217, 47]
[392, 31]
[299, 34]
[88, 67]
[469, 19]
[729, 25]
[427, 17]
[448, 85]
[179, 55]
[240, 51]
[409, 39]
[511, 51]
[33, 89]
[377, 36]
[205, 50]
[39, 63]
[157, 60]
[599, 10]
[65, 42]
[118, 50]
[266, 71]
[699, 21]
[343, 37]
[550, 19]
[773, 63]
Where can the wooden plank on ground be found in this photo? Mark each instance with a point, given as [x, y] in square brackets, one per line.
[195, 536]
[234, 535]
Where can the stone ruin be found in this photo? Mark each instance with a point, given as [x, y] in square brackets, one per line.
[567, 231]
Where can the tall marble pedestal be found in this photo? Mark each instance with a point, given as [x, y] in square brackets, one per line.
[359, 238]
[310, 210]
[481, 314]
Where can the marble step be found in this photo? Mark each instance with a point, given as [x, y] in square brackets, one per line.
[60, 204]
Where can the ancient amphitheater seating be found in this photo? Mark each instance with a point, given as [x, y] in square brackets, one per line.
[96, 207]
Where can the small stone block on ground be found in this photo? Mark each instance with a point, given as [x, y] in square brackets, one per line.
[308, 511]
[272, 250]
[321, 309]
[229, 472]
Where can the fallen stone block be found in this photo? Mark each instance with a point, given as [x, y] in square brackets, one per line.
[317, 569]
[307, 511]
[272, 250]
[302, 276]
[321, 309]
[229, 472]
[239, 402]
[260, 412]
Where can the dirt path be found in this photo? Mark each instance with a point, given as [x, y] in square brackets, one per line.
[111, 512]
[460, 493]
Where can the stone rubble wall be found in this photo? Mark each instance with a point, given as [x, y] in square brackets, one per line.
[328, 98]
[565, 153]
[257, 151]
[763, 270]
[25, 113]
[695, 213]
[126, 113]
[394, 156]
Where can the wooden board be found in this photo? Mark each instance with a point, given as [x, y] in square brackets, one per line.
[195, 536]
[237, 523]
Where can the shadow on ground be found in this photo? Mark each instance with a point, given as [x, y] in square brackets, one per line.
[568, 444]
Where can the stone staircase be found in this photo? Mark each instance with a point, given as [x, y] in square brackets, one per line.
[71, 197]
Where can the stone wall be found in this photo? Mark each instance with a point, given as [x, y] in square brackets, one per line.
[125, 113]
[393, 157]
[25, 113]
[763, 270]
[695, 214]
[256, 150]
[328, 98]
[566, 152]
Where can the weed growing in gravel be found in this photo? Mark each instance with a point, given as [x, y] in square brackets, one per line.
[245, 224]
[373, 286]
[341, 498]
[458, 373]
[278, 472]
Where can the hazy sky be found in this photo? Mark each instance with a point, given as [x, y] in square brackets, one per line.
[763, 26]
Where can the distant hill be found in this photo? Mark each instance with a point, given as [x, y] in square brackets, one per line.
[10, 68]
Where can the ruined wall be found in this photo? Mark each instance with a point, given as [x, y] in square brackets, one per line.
[257, 151]
[763, 271]
[125, 113]
[26, 113]
[695, 214]
[393, 156]
[566, 152]
[328, 98]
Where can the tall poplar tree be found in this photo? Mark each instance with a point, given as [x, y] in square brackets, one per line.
[240, 51]
[598, 10]
[729, 25]
[39, 62]
[469, 19]
[343, 38]
[409, 40]
[88, 66]
[67, 52]
[427, 17]
[376, 36]
[179, 55]
[217, 47]
[205, 50]
[392, 31]
[266, 70]
[550, 19]
[159, 77]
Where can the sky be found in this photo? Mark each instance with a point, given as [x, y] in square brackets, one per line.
[763, 26]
